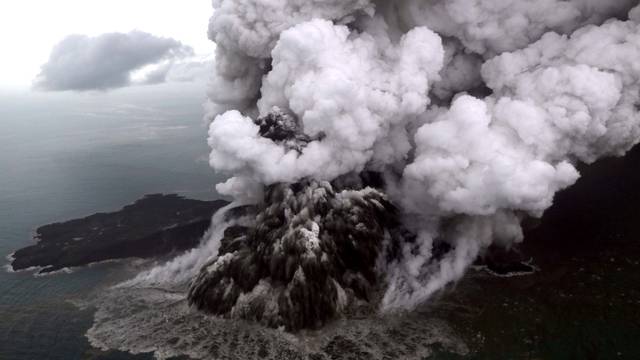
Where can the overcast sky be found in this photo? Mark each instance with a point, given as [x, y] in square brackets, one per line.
[29, 29]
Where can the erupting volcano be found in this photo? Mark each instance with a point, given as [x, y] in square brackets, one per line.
[386, 145]
[376, 150]
[310, 255]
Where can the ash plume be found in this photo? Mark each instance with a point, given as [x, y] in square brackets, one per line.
[472, 115]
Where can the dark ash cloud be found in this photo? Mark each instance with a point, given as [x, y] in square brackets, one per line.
[106, 61]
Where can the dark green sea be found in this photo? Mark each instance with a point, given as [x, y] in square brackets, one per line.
[64, 156]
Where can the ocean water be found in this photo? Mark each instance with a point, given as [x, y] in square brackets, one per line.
[64, 156]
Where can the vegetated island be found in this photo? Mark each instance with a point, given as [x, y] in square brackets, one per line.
[155, 225]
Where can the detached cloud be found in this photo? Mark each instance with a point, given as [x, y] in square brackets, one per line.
[179, 71]
[106, 61]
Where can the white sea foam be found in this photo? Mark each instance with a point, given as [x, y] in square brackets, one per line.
[142, 319]
[64, 270]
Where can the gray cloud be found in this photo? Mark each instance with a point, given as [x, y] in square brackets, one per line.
[106, 61]
[193, 69]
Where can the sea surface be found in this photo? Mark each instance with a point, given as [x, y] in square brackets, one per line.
[64, 156]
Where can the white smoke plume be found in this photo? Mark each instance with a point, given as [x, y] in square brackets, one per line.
[477, 111]
[184, 267]
[356, 90]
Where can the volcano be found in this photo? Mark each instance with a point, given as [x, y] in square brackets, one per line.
[310, 255]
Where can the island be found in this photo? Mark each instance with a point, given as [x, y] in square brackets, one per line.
[155, 225]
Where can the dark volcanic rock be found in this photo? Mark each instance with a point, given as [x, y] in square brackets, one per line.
[284, 129]
[154, 225]
[310, 255]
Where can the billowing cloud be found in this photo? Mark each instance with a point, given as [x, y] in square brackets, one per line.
[106, 61]
[475, 111]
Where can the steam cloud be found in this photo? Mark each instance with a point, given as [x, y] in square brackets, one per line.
[107, 61]
[474, 112]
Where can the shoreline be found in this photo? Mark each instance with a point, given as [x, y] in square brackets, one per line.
[155, 225]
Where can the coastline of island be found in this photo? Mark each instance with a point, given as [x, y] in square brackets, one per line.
[155, 225]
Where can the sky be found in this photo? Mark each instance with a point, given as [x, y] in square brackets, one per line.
[29, 29]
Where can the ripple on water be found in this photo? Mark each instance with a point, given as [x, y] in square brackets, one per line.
[140, 320]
